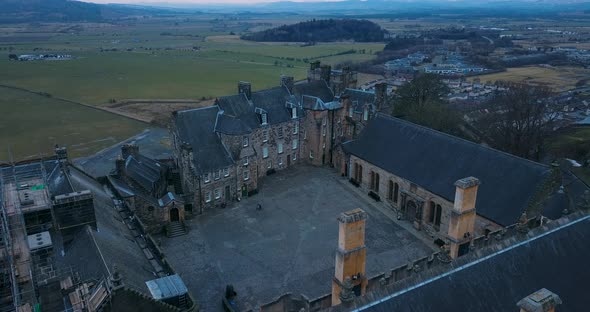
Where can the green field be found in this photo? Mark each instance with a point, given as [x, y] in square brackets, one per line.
[162, 58]
[156, 60]
[31, 124]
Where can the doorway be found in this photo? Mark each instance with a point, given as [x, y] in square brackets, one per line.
[288, 160]
[227, 193]
[174, 215]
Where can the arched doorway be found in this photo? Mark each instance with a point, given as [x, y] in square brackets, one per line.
[411, 209]
[174, 215]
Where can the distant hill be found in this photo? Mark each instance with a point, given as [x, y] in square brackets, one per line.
[22, 11]
[322, 31]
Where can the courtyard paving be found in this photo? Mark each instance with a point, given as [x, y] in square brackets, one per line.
[288, 246]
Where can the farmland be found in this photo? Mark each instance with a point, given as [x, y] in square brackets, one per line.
[31, 124]
[193, 58]
[559, 78]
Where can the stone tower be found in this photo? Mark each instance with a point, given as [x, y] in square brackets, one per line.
[349, 277]
[462, 221]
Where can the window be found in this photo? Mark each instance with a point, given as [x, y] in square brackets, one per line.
[324, 145]
[207, 179]
[324, 131]
[375, 181]
[264, 119]
[304, 133]
[366, 114]
[350, 111]
[311, 154]
[340, 131]
[395, 192]
[280, 161]
[246, 161]
[246, 175]
[265, 135]
[294, 112]
[217, 193]
[265, 152]
[269, 164]
[437, 217]
[324, 120]
[280, 132]
[390, 190]
[295, 142]
[432, 212]
[294, 156]
[217, 175]
[280, 148]
[208, 196]
[295, 128]
[226, 172]
[245, 141]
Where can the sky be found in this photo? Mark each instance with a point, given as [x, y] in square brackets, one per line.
[192, 1]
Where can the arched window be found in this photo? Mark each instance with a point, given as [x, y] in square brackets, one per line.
[438, 215]
[390, 190]
[432, 212]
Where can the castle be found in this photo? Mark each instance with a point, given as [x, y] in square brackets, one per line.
[428, 178]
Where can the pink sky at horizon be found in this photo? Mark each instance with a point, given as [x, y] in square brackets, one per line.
[197, 1]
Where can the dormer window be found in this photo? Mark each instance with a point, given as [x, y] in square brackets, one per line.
[294, 112]
[366, 114]
[207, 179]
[245, 141]
[264, 119]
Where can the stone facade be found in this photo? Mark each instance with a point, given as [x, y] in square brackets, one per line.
[425, 210]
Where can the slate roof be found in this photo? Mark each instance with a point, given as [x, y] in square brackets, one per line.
[317, 88]
[112, 244]
[144, 171]
[359, 98]
[556, 260]
[196, 127]
[434, 161]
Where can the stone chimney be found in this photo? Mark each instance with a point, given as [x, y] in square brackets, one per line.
[349, 277]
[61, 153]
[542, 300]
[129, 149]
[120, 165]
[462, 220]
[314, 65]
[325, 72]
[288, 82]
[380, 96]
[245, 88]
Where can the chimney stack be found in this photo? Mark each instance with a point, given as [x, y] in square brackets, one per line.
[349, 277]
[245, 88]
[380, 95]
[462, 223]
[120, 166]
[325, 72]
[542, 300]
[288, 82]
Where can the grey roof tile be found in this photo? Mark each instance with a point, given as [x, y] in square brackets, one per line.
[434, 161]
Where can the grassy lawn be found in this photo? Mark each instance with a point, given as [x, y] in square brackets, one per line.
[31, 124]
[559, 78]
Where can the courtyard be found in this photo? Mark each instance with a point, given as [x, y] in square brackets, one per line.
[288, 246]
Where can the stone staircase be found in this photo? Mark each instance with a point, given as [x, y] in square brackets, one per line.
[175, 229]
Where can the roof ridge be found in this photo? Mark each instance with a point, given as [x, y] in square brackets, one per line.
[383, 115]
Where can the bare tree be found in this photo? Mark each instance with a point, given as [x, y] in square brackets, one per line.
[520, 119]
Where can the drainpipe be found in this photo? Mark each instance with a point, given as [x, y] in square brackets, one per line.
[332, 136]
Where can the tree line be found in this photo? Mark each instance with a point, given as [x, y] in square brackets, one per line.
[322, 31]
